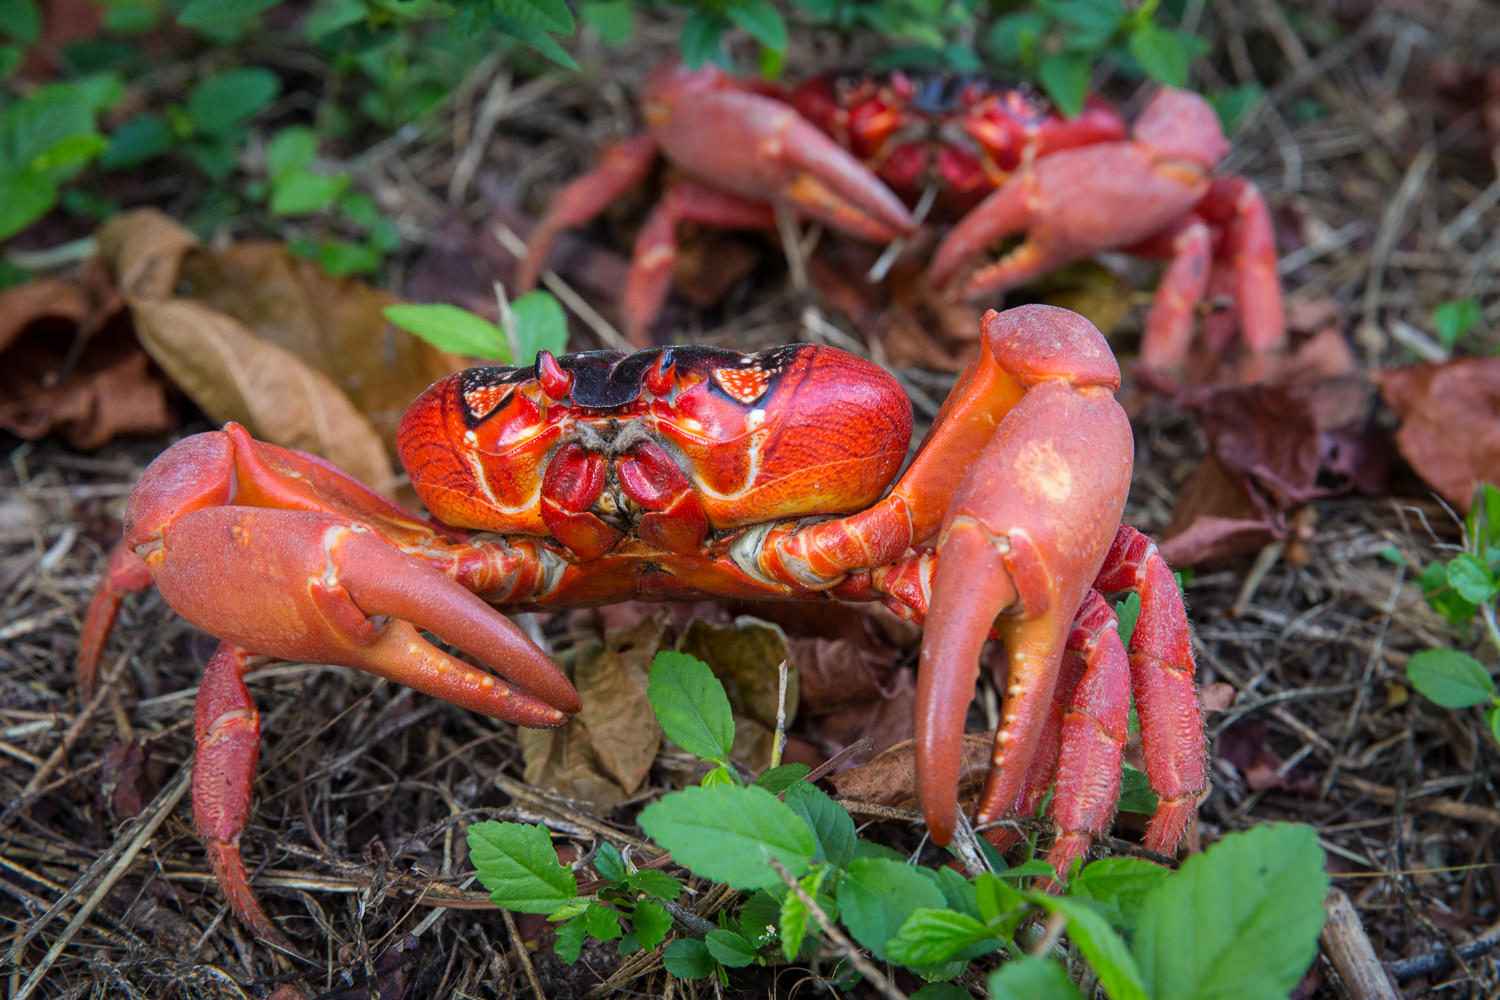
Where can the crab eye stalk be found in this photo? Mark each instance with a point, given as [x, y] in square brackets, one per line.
[556, 382]
[661, 375]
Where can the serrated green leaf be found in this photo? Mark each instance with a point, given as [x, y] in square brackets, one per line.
[570, 937]
[1032, 979]
[306, 193]
[73, 151]
[25, 196]
[1136, 795]
[658, 885]
[830, 823]
[33, 128]
[1117, 886]
[726, 834]
[1237, 922]
[552, 16]
[572, 908]
[729, 949]
[795, 915]
[1098, 942]
[691, 705]
[138, 140]
[612, 20]
[21, 20]
[701, 38]
[1443, 598]
[1065, 78]
[541, 325]
[932, 936]
[758, 918]
[609, 863]
[779, 779]
[761, 21]
[1450, 678]
[1471, 579]
[519, 865]
[997, 899]
[452, 329]
[602, 922]
[291, 150]
[1161, 53]
[222, 104]
[533, 36]
[876, 896]
[687, 958]
[219, 14]
[651, 922]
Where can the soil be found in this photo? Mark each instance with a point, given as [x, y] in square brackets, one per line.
[1377, 150]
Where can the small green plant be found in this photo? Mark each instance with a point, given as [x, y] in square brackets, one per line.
[1462, 589]
[1239, 921]
[1452, 320]
[532, 323]
[46, 139]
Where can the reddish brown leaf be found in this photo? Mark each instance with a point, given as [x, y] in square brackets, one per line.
[890, 779]
[1450, 423]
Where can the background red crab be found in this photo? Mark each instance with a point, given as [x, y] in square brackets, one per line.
[687, 471]
[998, 159]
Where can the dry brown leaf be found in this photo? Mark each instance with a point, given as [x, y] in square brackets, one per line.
[233, 375]
[745, 657]
[890, 779]
[1450, 423]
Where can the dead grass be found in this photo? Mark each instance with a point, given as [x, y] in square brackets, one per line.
[1386, 196]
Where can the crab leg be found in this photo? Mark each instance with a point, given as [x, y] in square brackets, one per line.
[126, 574]
[1248, 252]
[622, 166]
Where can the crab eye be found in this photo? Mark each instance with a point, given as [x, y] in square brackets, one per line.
[743, 385]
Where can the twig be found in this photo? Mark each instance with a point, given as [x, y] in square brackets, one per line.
[1465, 811]
[848, 949]
[1390, 227]
[521, 954]
[564, 292]
[1348, 948]
[1437, 962]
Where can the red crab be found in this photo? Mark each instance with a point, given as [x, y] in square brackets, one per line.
[680, 472]
[1075, 186]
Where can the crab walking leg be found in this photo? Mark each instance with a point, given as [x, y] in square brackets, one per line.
[126, 574]
[622, 166]
[1024, 536]
[226, 732]
[1188, 246]
[655, 255]
[1161, 670]
[1248, 251]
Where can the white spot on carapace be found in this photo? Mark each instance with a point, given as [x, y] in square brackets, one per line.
[755, 419]
[1044, 471]
[744, 385]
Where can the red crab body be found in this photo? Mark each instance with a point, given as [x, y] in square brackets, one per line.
[684, 472]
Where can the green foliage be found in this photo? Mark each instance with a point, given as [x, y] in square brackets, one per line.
[1240, 921]
[531, 324]
[46, 139]
[1462, 589]
[1451, 320]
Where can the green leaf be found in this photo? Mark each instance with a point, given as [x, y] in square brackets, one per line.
[729, 949]
[758, 917]
[75, 150]
[291, 151]
[701, 38]
[1032, 979]
[1492, 719]
[876, 897]
[25, 196]
[305, 193]
[945, 991]
[1093, 22]
[535, 37]
[1118, 886]
[930, 937]
[221, 14]
[779, 779]
[570, 937]
[541, 325]
[333, 15]
[552, 16]
[1162, 54]
[651, 922]
[32, 130]
[691, 705]
[795, 915]
[761, 21]
[1136, 795]
[1098, 942]
[1482, 526]
[11, 56]
[138, 140]
[519, 866]
[451, 329]
[1452, 320]
[602, 922]
[687, 958]
[830, 823]
[609, 863]
[1237, 922]
[612, 20]
[340, 257]
[1013, 38]
[1472, 579]
[222, 104]
[1443, 598]
[726, 833]
[1234, 104]
[21, 20]
[1065, 78]
[1450, 678]
[658, 885]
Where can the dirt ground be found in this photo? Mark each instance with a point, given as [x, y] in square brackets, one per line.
[1379, 156]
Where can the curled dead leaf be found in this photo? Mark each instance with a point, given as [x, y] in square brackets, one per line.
[890, 779]
[1450, 423]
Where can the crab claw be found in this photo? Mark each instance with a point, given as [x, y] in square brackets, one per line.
[319, 585]
[1020, 546]
[761, 148]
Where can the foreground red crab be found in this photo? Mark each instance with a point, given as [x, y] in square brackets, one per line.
[687, 471]
[1074, 186]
